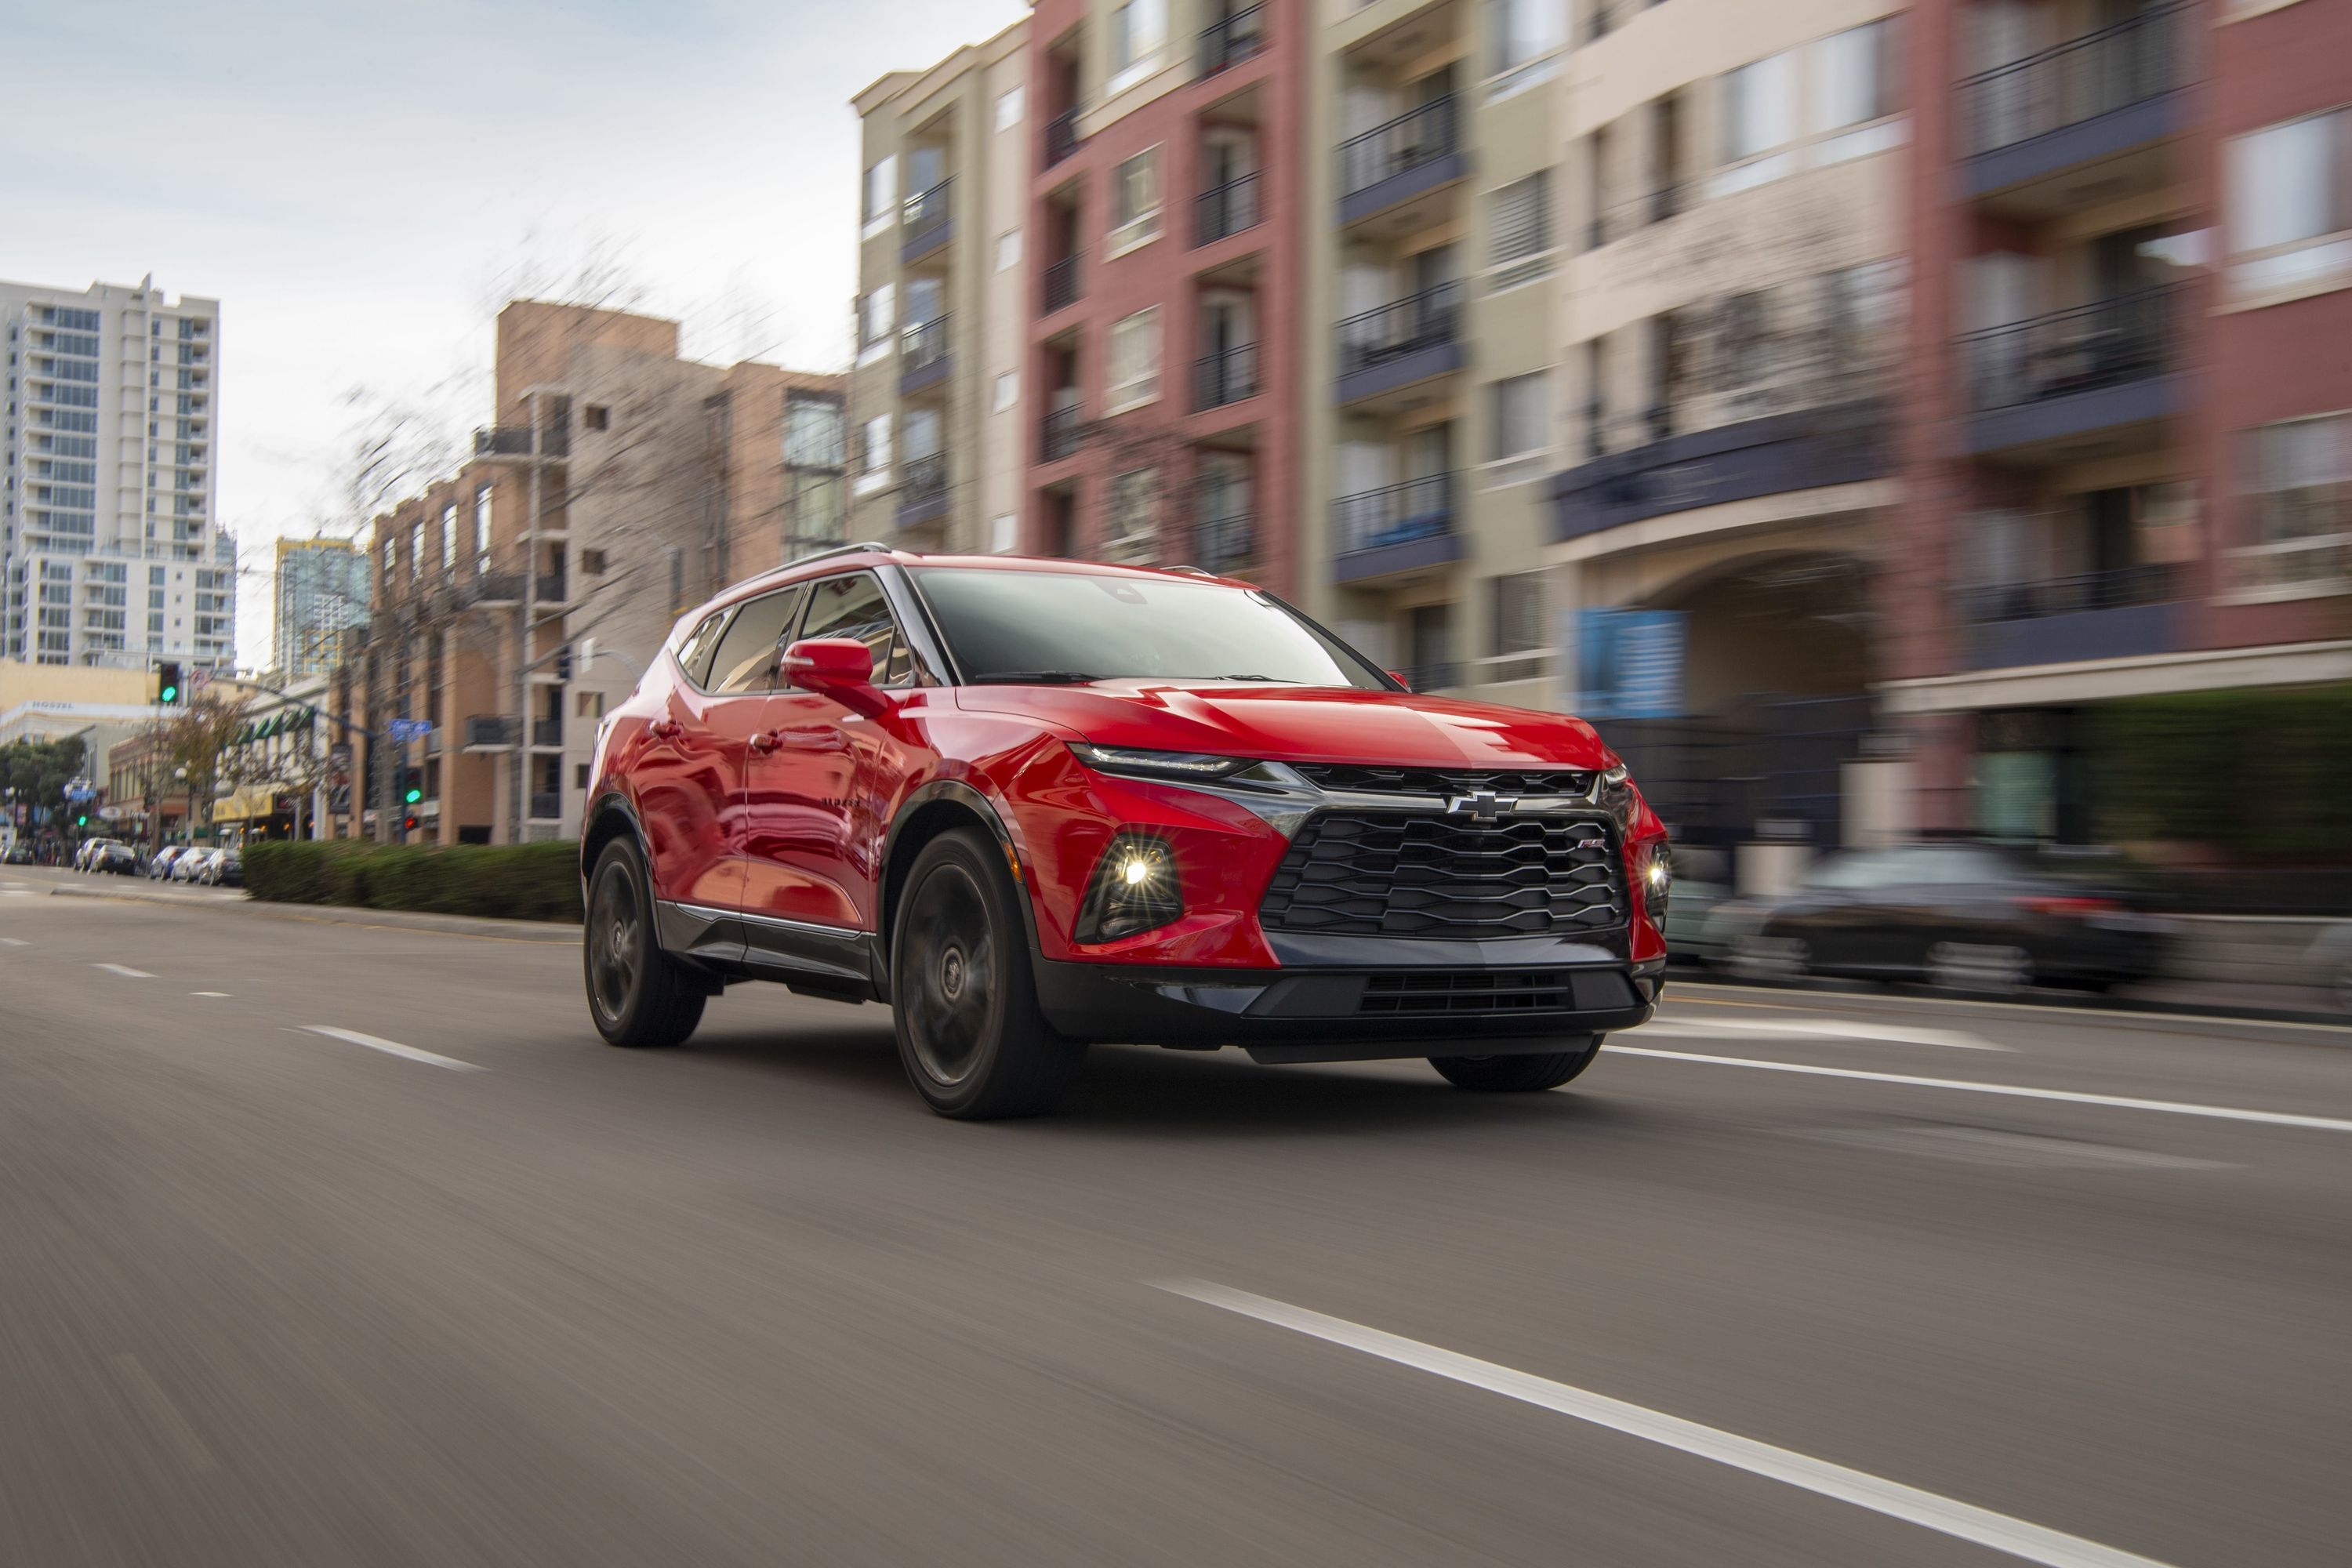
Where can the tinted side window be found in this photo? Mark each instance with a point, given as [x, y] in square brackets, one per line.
[1858, 871]
[852, 606]
[694, 653]
[746, 661]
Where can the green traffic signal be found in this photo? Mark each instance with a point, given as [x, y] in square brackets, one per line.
[81, 822]
[169, 694]
[414, 795]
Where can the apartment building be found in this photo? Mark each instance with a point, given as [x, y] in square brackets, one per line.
[111, 551]
[320, 589]
[1165, 344]
[2129, 462]
[1431, 299]
[936, 399]
[1738, 180]
[516, 599]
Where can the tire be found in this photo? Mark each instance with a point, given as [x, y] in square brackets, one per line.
[1516, 1074]
[640, 997]
[963, 994]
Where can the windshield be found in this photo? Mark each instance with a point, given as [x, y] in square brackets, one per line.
[1008, 627]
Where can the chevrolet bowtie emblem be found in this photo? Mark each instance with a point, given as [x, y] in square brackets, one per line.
[1484, 805]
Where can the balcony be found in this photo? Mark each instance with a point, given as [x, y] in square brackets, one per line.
[1411, 339]
[1059, 432]
[1061, 136]
[1227, 376]
[2083, 101]
[515, 441]
[928, 220]
[1415, 153]
[923, 356]
[1224, 543]
[551, 588]
[1230, 40]
[546, 806]
[2126, 612]
[1615, 222]
[1064, 284]
[1395, 529]
[490, 732]
[547, 731]
[1223, 211]
[1807, 449]
[923, 489]
[2072, 372]
[1439, 676]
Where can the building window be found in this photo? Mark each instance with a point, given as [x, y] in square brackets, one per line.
[1856, 76]
[1524, 29]
[1521, 412]
[876, 318]
[1133, 496]
[593, 563]
[1516, 623]
[1003, 534]
[1759, 107]
[1134, 362]
[1134, 202]
[876, 444]
[449, 536]
[1008, 250]
[813, 433]
[1519, 224]
[881, 194]
[482, 527]
[2300, 480]
[1008, 108]
[1138, 32]
[1007, 392]
[597, 416]
[2290, 204]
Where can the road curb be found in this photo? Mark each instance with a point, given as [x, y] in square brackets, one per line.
[549, 933]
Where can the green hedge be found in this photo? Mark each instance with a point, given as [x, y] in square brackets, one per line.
[522, 881]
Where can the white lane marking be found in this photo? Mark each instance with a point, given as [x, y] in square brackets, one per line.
[207, 992]
[1693, 993]
[14, 941]
[2177, 1108]
[124, 970]
[2022, 1151]
[1824, 1029]
[161, 1415]
[392, 1048]
[1941, 1514]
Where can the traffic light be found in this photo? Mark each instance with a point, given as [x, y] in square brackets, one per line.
[412, 782]
[564, 662]
[410, 823]
[82, 821]
[167, 683]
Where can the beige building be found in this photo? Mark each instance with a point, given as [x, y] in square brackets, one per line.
[1433, 295]
[620, 486]
[1737, 192]
[935, 407]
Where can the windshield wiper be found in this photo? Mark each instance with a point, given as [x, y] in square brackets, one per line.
[1035, 677]
[1263, 679]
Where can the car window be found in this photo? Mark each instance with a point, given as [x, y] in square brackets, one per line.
[1864, 870]
[694, 653]
[1960, 865]
[852, 605]
[746, 658]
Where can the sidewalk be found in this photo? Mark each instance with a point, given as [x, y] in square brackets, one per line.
[227, 901]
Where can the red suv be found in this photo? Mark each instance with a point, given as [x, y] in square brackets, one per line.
[1038, 803]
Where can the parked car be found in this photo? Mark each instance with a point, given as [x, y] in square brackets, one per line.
[20, 854]
[2330, 960]
[1038, 803]
[1973, 916]
[160, 868]
[226, 868]
[114, 858]
[190, 865]
[82, 852]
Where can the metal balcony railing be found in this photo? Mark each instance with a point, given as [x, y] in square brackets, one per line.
[2109, 342]
[1223, 211]
[1394, 515]
[1224, 542]
[503, 441]
[492, 730]
[2115, 588]
[928, 209]
[546, 806]
[1058, 433]
[1226, 376]
[1427, 319]
[1437, 676]
[1412, 138]
[1063, 283]
[1231, 39]
[923, 345]
[1061, 136]
[922, 479]
[547, 731]
[2125, 63]
[550, 587]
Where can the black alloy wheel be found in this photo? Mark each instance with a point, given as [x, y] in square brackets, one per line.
[638, 994]
[1517, 1075]
[963, 995]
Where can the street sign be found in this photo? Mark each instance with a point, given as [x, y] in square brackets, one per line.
[406, 730]
[109, 813]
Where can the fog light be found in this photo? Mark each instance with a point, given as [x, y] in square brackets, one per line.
[1657, 870]
[1134, 888]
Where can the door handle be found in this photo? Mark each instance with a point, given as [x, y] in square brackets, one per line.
[808, 735]
[763, 742]
[665, 729]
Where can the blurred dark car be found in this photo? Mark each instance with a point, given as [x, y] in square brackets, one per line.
[20, 854]
[114, 857]
[1969, 917]
[227, 869]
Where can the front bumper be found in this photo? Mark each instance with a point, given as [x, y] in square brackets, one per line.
[1411, 999]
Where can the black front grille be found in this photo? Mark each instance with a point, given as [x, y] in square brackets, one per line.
[1470, 991]
[1447, 781]
[1403, 873]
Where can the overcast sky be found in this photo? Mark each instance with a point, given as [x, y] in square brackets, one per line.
[357, 183]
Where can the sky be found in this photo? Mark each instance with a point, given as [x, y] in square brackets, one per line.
[363, 186]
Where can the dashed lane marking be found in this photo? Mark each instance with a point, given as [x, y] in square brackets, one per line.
[207, 992]
[14, 941]
[124, 970]
[2019, 1092]
[1963, 1522]
[392, 1048]
[1824, 1029]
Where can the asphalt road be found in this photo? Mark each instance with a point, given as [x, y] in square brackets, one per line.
[269, 1295]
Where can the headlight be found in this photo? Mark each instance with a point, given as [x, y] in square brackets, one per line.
[1174, 765]
[1134, 888]
[1655, 868]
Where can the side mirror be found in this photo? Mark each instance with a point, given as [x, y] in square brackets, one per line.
[838, 667]
[1399, 677]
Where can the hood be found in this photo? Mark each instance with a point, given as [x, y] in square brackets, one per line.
[1300, 725]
